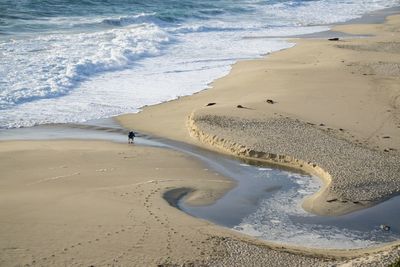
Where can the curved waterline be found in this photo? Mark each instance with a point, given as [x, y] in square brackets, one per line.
[266, 203]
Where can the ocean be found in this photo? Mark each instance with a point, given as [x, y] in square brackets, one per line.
[77, 60]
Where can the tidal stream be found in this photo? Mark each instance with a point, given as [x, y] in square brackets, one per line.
[266, 202]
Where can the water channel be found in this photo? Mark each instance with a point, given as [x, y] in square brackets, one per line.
[266, 203]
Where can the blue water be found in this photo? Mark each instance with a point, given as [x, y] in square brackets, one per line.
[71, 61]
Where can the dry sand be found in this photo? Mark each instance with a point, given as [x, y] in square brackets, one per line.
[351, 84]
[66, 203]
[93, 203]
[336, 113]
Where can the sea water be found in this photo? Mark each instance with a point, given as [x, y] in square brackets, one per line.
[77, 60]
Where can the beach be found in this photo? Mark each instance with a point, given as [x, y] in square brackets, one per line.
[329, 108]
[337, 100]
[334, 99]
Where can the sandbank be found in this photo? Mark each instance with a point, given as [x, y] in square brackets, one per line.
[96, 203]
[335, 113]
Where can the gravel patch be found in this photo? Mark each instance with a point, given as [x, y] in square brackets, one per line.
[357, 173]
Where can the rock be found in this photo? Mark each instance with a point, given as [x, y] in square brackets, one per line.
[210, 104]
[333, 39]
[239, 106]
[385, 227]
[270, 101]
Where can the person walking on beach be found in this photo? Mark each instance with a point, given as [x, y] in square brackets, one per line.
[131, 136]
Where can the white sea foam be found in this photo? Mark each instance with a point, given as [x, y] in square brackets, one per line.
[156, 71]
[275, 220]
[264, 169]
[324, 12]
[142, 18]
[135, 60]
[51, 65]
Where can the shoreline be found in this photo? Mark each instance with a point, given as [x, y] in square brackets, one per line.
[199, 242]
[116, 199]
[238, 69]
[226, 102]
[212, 129]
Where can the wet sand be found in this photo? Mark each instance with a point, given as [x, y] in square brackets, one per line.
[95, 203]
[334, 113]
[65, 203]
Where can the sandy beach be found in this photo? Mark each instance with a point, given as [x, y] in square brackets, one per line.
[98, 203]
[334, 113]
[330, 108]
